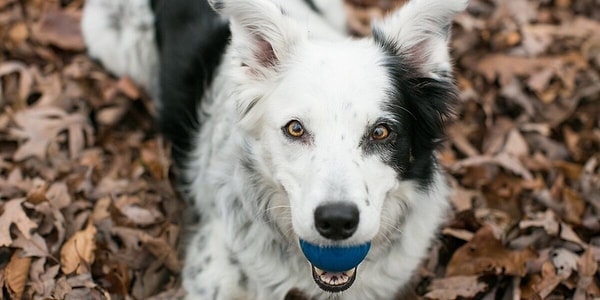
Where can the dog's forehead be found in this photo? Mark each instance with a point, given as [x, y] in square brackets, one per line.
[335, 78]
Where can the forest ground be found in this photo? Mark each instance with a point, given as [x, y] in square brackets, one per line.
[87, 210]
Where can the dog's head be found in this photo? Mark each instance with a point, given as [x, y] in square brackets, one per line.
[342, 132]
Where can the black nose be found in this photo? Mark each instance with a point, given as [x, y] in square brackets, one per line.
[336, 221]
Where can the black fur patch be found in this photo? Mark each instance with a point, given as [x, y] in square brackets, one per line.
[312, 6]
[154, 4]
[421, 105]
[191, 39]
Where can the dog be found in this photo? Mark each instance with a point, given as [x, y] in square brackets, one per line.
[291, 139]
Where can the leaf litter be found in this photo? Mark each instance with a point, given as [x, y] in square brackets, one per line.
[87, 209]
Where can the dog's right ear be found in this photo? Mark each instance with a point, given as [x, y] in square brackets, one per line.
[262, 35]
[419, 33]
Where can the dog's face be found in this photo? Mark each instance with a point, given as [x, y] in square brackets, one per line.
[343, 132]
[331, 141]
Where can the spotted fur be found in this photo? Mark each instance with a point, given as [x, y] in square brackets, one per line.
[230, 81]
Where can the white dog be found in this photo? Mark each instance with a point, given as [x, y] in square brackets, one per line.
[286, 133]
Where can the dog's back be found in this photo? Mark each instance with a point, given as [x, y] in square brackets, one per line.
[191, 39]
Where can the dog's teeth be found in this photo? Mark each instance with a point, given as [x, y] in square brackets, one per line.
[319, 271]
[334, 279]
[350, 273]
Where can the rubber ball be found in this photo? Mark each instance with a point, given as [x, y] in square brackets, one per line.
[334, 259]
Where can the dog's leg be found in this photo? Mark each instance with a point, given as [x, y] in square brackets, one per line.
[211, 272]
[121, 35]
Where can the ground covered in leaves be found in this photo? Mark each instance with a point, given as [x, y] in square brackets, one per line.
[87, 209]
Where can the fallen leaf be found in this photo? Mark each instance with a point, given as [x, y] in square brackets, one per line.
[40, 127]
[568, 234]
[154, 159]
[17, 34]
[571, 170]
[111, 115]
[462, 234]
[498, 221]
[16, 273]
[179, 293]
[362, 12]
[590, 182]
[60, 28]
[587, 267]
[128, 87]
[13, 214]
[573, 205]
[101, 210]
[456, 287]
[506, 66]
[58, 195]
[62, 288]
[42, 279]
[33, 247]
[140, 215]
[540, 287]
[484, 254]
[540, 36]
[77, 254]
[503, 159]
[37, 194]
[462, 199]
[158, 246]
[148, 281]
[516, 145]
[53, 222]
[25, 79]
[458, 134]
[546, 220]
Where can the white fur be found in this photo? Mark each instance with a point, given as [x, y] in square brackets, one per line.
[331, 21]
[121, 35]
[246, 246]
[425, 40]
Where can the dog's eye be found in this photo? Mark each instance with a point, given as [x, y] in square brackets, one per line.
[294, 129]
[381, 132]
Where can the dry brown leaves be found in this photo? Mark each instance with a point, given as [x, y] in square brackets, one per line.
[523, 154]
[86, 209]
[87, 212]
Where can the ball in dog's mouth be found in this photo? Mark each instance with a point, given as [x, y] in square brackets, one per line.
[334, 268]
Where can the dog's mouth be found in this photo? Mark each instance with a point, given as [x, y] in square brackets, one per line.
[334, 267]
[334, 282]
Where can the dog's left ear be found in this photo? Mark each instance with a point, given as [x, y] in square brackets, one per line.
[262, 35]
[419, 33]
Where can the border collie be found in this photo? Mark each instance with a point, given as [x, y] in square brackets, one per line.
[309, 155]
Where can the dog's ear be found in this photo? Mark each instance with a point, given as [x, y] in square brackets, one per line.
[262, 35]
[419, 33]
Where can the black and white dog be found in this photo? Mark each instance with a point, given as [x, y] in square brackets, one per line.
[292, 139]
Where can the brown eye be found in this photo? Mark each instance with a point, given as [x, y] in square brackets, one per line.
[294, 129]
[381, 132]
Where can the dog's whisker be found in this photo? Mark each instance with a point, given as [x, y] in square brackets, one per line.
[262, 214]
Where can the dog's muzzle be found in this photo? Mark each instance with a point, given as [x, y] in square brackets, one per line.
[334, 268]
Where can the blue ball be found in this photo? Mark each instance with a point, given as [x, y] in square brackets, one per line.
[334, 259]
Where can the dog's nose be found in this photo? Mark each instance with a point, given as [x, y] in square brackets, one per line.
[336, 221]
